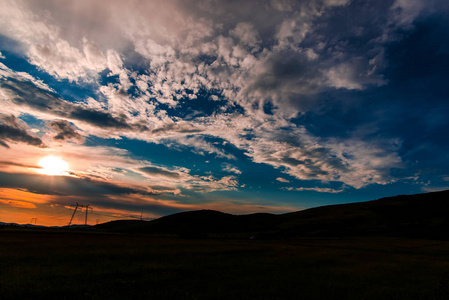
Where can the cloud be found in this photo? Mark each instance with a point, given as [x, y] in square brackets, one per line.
[199, 48]
[181, 178]
[7, 73]
[44, 46]
[65, 131]
[11, 130]
[198, 144]
[230, 168]
[10, 163]
[48, 106]
[274, 142]
[429, 189]
[157, 171]
[19, 204]
[3, 144]
[206, 184]
[265, 65]
[280, 179]
[316, 189]
[68, 185]
[295, 151]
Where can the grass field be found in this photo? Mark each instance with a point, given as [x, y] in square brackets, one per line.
[76, 265]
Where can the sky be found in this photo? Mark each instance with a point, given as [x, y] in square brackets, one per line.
[141, 109]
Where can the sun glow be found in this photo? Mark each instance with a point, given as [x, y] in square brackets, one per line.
[52, 165]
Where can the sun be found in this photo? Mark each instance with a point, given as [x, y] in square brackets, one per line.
[52, 165]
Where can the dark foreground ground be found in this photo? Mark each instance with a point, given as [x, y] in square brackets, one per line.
[70, 265]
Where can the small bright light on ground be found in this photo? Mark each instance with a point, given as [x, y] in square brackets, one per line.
[52, 165]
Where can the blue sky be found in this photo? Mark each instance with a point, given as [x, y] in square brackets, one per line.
[240, 106]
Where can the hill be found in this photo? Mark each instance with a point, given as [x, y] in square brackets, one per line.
[423, 215]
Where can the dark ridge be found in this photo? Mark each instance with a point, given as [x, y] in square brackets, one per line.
[422, 215]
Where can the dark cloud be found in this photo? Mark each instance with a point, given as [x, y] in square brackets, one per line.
[157, 209]
[11, 130]
[9, 163]
[98, 118]
[67, 185]
[26, 93]
[181, 127]
[160, 172]
[3, 144]
[97, 193]
[65, 131]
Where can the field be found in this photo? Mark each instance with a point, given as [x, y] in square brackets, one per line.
[83, 265]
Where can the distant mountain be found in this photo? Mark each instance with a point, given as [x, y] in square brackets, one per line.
[422, 215]
[41, 226]
[21, 225]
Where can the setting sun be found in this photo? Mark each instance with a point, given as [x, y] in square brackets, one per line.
[52, 165]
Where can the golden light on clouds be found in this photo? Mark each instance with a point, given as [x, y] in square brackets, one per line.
[52, 165]
[19, 204]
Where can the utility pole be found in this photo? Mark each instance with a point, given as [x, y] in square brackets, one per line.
[76, 207]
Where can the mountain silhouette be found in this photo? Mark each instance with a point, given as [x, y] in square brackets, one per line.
[422, 215]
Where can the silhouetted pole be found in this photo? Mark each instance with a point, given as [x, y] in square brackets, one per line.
[141, 216]
[76, 207]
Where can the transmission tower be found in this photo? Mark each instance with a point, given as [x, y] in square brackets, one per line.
[74, 211]
[87, 207]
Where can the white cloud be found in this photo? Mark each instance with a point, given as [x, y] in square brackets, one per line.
[6, 73]
[247, 35]
[406, 11]
[429, 189]
[282, 5]
[280, 179]
[230, 168]
[315, 189]
[44, 45]
[199, 145]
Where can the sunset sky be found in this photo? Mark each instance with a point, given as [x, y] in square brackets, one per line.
[155, 107]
